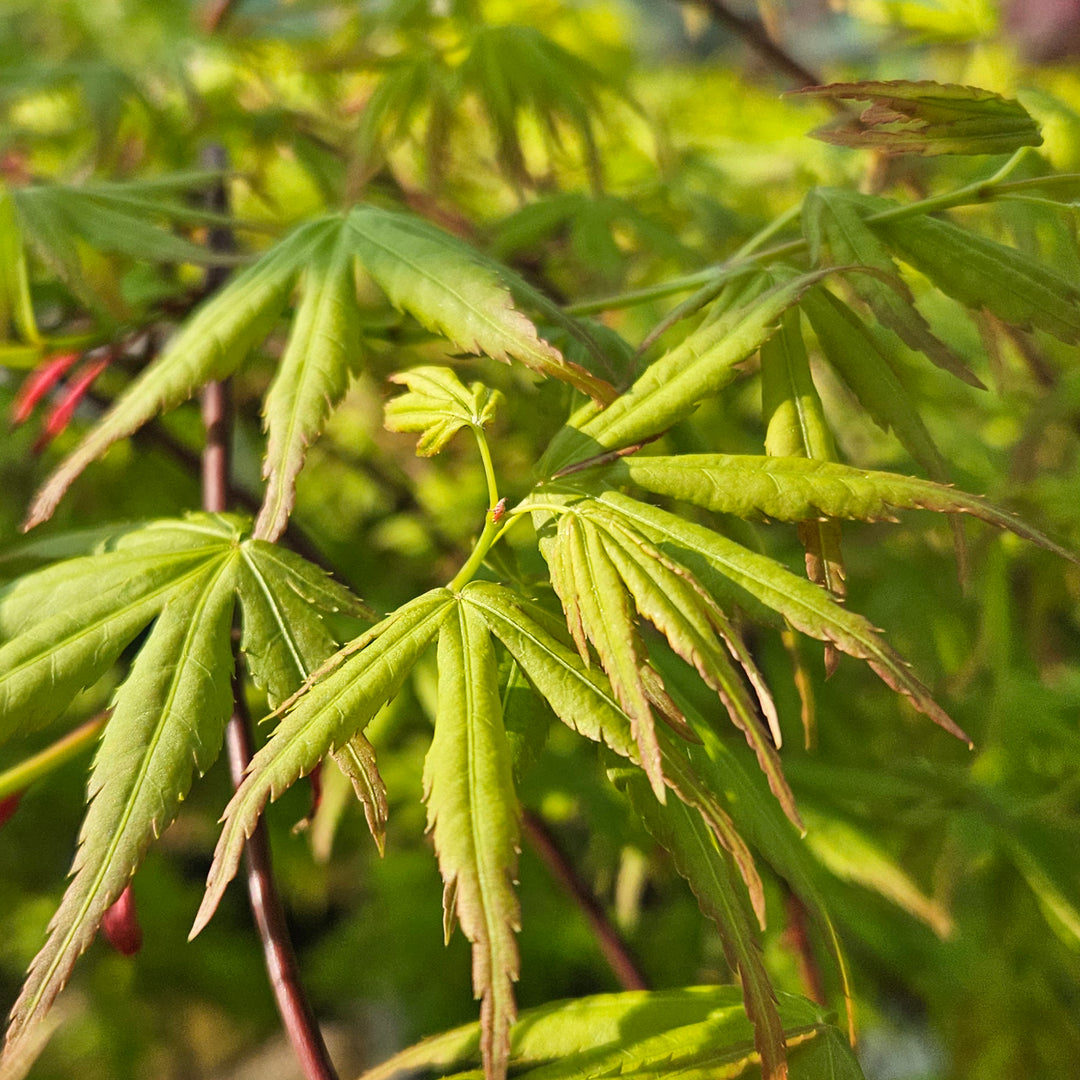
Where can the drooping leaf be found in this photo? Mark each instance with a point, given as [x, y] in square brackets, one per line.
[356, 760]
[16, 303]
[795, 426]
[450, 288]
[324, 348]
[473, 815]
[796, 489]
[518, 73]
[672, 387]
[926, 118]
[211, 345]
[168, 718]
[682, 610]
[733, 572]
[836, 232]
[438, 406]
[583, 699]
[712, 878]
[860, 359]
[981, 273]
[322, 719]
[594, 596]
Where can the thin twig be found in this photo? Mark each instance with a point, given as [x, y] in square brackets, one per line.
[754, 35]
[296, 1013]
[614, 949]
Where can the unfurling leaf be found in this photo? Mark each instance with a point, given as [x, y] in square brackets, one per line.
[926, 118]
[438, 406]
[473, 815]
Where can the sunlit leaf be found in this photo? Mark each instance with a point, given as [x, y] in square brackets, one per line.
[321, 720]
[473, 815]
[438, 406]
[926, 118]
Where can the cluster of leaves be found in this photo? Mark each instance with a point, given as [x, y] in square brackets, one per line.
[641, 592]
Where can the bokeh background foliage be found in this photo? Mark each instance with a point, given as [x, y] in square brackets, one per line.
[646, 144]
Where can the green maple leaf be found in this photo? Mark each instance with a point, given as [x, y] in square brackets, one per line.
[67, 624]
[449, 288]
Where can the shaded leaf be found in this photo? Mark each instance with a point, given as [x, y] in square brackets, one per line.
[981, 273]
[926, 118]
[716, 886]
[837, 233]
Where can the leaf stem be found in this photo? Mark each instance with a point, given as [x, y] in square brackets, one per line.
[21, 776]
[489, 467]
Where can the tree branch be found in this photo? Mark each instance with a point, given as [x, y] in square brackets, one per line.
[614, 949]
[752, 33]
[296, 1013]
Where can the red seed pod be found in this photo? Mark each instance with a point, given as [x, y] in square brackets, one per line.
[38, 383]
[120, 924]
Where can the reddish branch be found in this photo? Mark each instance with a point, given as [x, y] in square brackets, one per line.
[296, 1014]
[611, 944]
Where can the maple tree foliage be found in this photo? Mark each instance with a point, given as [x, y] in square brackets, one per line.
[601, 577]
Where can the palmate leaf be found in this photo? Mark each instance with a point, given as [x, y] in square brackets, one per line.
[981, 273]
[449, 288]
[438, 406]
[690, 620]
[672, 387]
[473, 815]
[700, 1031]
[837, 233]
[67, 625]
[716, 885]
[795, 489]
[583, 699]
[926, 118]
[321, 719]
[168, 719]
[761, 585]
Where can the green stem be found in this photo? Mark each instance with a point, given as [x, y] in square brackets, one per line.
[20, 777]
[492, 519]
[978, 192]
